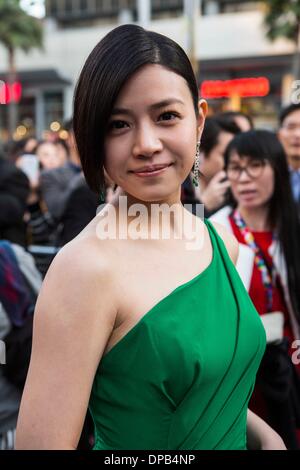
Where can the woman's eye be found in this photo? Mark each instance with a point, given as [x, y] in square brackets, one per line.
[255, 164]
[168, 116]
[117, 125]
[233, 167]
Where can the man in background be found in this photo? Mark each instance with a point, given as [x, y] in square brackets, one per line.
[289, 136]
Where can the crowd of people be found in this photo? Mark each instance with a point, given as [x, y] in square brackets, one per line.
[249, 181]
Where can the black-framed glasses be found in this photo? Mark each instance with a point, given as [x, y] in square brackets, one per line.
[254, 169]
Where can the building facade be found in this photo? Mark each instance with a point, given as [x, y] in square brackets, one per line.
[229, 43]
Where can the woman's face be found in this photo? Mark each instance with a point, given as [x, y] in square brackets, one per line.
[214, 161]
[151, 142]
[48, 156]
[251, 192]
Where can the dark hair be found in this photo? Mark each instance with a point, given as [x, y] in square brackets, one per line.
[64, 144]
[210, 135]
[230, 116]
[285, 112]
[283, 216]
[111, 63]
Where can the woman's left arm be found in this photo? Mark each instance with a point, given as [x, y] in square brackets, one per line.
[260, 436]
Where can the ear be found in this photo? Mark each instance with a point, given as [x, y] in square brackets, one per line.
[202, 108]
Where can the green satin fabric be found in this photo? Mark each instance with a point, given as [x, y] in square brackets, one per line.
[183, 376]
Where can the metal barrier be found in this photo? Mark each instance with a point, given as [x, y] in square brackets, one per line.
[43, 256]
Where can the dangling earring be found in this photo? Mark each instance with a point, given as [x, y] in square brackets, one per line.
[196, 166]
[102, 195]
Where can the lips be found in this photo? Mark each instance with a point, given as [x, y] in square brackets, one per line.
[247, 192]
[151, 168]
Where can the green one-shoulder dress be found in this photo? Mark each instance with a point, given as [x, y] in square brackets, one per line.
[182, 377]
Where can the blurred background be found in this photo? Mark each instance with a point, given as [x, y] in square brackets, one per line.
[244, 53]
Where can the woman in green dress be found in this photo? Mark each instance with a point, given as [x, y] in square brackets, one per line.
[155, 333]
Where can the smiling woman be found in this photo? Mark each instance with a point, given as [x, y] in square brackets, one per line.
[129, 325]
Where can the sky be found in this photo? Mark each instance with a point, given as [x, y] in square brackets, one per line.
[34, 7]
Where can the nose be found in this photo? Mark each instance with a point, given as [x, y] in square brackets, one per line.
[244, 175]
[147, 141]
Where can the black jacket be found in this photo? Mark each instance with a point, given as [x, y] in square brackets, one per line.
[14, 190]
[80, 209]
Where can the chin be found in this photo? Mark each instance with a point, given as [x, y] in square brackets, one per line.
[153, 195]
[251, 204]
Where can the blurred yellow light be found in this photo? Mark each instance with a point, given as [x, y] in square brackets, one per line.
[55, 126]
[21, 131]
[63, 135]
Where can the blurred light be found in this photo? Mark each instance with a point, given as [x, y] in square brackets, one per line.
[63, 135]
[243, 87]
[55, 126]
[21, 131]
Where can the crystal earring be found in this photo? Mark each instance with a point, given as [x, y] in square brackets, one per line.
[101, 195]
[195, 170]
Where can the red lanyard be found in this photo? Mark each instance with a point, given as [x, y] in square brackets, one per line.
[268, 279]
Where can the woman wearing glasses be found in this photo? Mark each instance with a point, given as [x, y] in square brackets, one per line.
[262, 215]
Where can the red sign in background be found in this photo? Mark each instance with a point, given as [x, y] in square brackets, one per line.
[10, 92]
[243, 87]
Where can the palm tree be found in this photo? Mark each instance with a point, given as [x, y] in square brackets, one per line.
[18, 30]
[282, 19]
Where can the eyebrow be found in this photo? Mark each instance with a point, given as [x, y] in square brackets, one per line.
[160, 104]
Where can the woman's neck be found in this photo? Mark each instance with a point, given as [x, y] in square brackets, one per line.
[155, 216]
[256, 218]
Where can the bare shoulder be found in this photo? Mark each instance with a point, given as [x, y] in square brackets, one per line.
[229, 240]
[73, 320]
[81, 271]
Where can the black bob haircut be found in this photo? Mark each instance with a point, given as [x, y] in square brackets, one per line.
[111, 63]
[283, 216]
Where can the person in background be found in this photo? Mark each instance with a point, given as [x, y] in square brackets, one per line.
[262, 216]
[289, 136]
[14, 190]
[10, 396]
[63, 150]
[240, 119]
[213, 184]
[48, 155]
[56, 184]
[30, 145]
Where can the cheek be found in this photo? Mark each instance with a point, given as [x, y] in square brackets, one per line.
[183, 144]
[233, 189]
[114, 155]
[267, 185]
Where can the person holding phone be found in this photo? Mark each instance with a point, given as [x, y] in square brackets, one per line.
[263, 217]
[213, 182]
